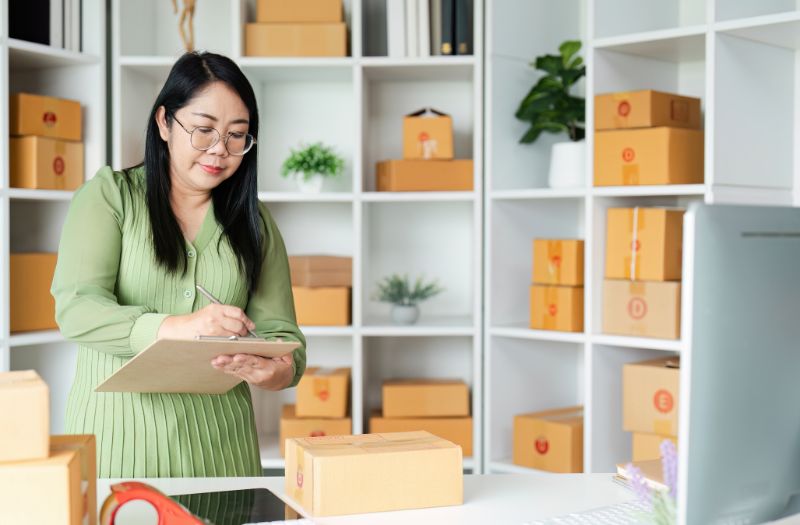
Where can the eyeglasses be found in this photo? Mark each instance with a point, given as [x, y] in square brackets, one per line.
[203, 138]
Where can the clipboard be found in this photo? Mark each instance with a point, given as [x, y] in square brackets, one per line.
[184, 366]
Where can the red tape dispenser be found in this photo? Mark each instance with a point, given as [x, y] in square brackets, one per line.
[169, 511]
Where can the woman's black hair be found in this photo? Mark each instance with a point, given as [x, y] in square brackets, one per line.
[235, 200]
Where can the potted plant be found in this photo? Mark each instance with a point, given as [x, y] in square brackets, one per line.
[549, 107]
[404, 297]
[310, 165]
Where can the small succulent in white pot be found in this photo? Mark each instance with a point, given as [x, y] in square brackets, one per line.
[310, 165]
[405, 297]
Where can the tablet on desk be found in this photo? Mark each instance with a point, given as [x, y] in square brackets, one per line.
[184, 366]
[238, 507]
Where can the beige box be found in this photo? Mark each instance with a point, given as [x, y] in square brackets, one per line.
[644, 309]
[558, 262]
[299, 11]
[425, 398]
[551, 440]
[323, 306]
[646, 447]
[650, 396]
[645, 109]
[45, 164]
[323, 392]
[61, 489]
[296, 40]
[644, 244]
[424, 175]
[32, 306]
[321, 270]
[336, 475]
[24, 416]
[556, 308]
[455, 429]
[42, 116]
[292, 426]
[427, 134]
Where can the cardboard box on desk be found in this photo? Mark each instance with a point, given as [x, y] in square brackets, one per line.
[323, 392]
[32, 306]
[644, 244]
[323, 306]
[557, 308]
[296, 40]
[648, 446]
[455, 429]
[650, 396]
[292, 426]
[644, 309]
[425, 398]
[24, 416]
[551, 440]
[321, 270]
[427, 134]
[424, 175]
[641, 157]
[58, 489]
[336, 475]
[558, 262]
[645, 109]
[45, 163]
[42, 116]
[299, 11]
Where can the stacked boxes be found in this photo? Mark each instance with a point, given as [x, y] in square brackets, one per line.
[556, 296]
[297, 28]
[32, 305]
[321, 285]
[551, 440]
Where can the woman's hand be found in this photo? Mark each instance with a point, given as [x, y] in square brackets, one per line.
[270, 374]
[214, 319]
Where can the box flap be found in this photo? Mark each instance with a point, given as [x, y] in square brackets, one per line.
[22, 378]
[325, 446]
[427, 112]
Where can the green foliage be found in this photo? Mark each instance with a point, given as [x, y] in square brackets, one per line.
[548, 106]
[397, 289]
[313, 159]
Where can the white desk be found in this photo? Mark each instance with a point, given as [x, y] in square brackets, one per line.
[490, 499]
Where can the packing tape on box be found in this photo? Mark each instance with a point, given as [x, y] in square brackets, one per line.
[663, 427]
[637, 223]
[630, 175]
[550, 313]
[554, 260]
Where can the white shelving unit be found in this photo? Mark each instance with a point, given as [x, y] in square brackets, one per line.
[356, 104]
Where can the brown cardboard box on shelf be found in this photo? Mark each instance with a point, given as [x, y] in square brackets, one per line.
[644, 244]
[24, 416]
[641, 308]
[323, 306]
[551, 440]
[648, 446]
[558, 262]
[323, 392]
[455, 429]
[424, 175]
[645, 109]
[299, 11]
[58, 489]
[32, 306]
[336, 475]
[45, 164]
[425, 398]
[296, 40]
[42, 116]
[650, 396]
[557, 308]
[428, 134]
[292, 426]
[321, 270]
[640, 157]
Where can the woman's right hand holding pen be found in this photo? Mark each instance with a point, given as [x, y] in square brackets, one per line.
[214, 320]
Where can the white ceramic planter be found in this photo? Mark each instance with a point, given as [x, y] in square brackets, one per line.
[311, 185]
[405, 314]
[568, 165]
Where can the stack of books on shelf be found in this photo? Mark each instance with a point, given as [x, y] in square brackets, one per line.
[423, 28]
[55, 23]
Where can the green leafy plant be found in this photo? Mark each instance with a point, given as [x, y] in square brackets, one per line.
[397, 289]
[314, 159]
[548, 106]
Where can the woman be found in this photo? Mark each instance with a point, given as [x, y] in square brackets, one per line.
[134, 246]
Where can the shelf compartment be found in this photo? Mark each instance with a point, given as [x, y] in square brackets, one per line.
[736, 11]
[623, 17]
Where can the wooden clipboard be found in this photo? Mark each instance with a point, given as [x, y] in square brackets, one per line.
[184, 366]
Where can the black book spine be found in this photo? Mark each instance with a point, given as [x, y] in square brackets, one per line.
[29, 20]
[463, 27]
[448, 27]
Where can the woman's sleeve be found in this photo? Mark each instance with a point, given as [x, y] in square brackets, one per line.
[271, 307]
[87, 311]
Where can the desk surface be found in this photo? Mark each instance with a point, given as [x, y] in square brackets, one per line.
[492, 499]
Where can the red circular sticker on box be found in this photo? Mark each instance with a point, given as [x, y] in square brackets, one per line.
[49, 119]
[555, 260]
[624, 108]
[635, 245]
[299, 479]
[663, 401]
[317, 433]
[637, 308]
[628, 154]
[424, 136]
[542, 445]
[552, 309]
[58, 165]
[323, 395]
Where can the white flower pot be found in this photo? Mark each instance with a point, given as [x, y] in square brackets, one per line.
[311, 185]
[405, 314]
[568, 165]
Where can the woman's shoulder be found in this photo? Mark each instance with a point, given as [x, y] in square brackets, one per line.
[115, 188]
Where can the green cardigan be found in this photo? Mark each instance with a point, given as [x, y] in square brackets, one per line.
[111, 297]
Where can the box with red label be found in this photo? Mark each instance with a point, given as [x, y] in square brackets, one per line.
[42, 116]
[455, 429]
[292, 426]
[323, 392]
[645, 109]
[427, 134]
[321, 270]
[644, 309]
[558, 261]
[32, 305]
[424, 175]
[557, 308]
[646, 447]
[296, 40]
[650, 396]
[322, 306]
[24, 416]
[644, 244]
[425, 398]
[45, 164]
[551, 440]
[299, 11]
[640, 157]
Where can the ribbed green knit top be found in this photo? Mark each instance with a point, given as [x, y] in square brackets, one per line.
[111, 297]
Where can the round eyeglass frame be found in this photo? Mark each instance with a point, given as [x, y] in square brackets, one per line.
[214, 143]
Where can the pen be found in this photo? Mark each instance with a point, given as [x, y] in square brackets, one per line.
[216, 301]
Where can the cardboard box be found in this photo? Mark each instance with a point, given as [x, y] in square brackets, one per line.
[557, 308]
[551, 440]
[32, 306]
[330, 476]
[45, 164]
[645, 109]
[650, 396]
[296, 40]
[425, 398]
[424, 175]
[42, 116]
[324, 306]
[299, 11]
[427, 134]
[59, 489]
[455, 429]
[641, 157]
[323, 392]
[558, 262]
[648, 446]
[24, 416]
[321, 270]
[294, 427]
[644, 309]
[644, 244]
